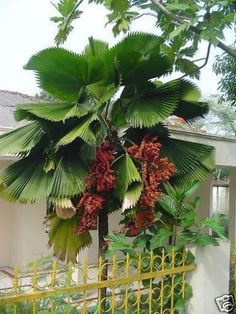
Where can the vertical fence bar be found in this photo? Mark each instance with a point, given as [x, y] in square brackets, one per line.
[162, 281]
[85, 292]
[69, 274]
[34, 287]
[99, 280]
[113, 297]
[184, 274]
[172, 282]
[150, 284]
[15, 286]
[126, 301]
[53, 282]
[139, 285]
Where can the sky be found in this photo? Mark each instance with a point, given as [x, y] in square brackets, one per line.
[25, 28]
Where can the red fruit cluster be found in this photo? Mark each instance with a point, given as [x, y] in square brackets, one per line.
[90, 204]
[154, 169]
[144, 219]
[101, 178]
[129, 229]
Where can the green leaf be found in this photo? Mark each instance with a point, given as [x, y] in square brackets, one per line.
[138, 58]
[22, 139]
[147, 105]
[179, 29]
[64, 242]
[68, 178]
[189, 107]
[196, 238]
[188, 219]
[205, 239]
[129, 182]
[51, 111]
[188, 67]
[62, 73]
[193, 161]
[188, 291]
[118, 242]
[26, 181]
[217, 224]
[141, 241]
[82, 130]
[132, 195]
[96, 47]
[158, 240]
[180, 306]
[188, 189]
[168, 204]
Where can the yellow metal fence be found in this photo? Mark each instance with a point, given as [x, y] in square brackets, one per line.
[145, 284]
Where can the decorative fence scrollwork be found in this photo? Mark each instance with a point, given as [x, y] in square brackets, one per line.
[141, 283]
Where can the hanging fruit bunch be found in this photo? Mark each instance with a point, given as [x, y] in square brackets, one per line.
[102, 179]
[154, 170]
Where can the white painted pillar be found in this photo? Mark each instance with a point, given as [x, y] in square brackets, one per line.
[205, 191]
[232, 205]
[211, 278]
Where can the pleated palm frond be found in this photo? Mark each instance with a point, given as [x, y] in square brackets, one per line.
[139, 58]
[62, 239]
[22, 139]
[82, 130]
[27, 180]
[62, 73]
[193, 161]
[68, 178]
[96, 47]
[129, 183]
[51, 111]
[145, 105]
[190, 107]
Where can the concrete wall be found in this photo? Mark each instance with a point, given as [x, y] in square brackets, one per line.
[211, 278]
[22, 234]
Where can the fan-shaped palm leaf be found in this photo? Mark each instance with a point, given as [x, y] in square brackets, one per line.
[193, 161]
[27, 181]
[189, 107]
[22, 139]
[138, 58]
[62, 73]
[83, 130]
[64, 242]
[129, 183]
[68, 178]
[51, 111]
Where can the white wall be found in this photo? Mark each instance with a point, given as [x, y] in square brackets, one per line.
[210, 279]
[6, 221]
[29, 240]
[22, 234]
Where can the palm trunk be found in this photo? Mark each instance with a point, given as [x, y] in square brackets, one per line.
[102, 232]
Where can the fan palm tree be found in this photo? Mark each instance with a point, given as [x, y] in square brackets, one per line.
[101, 94]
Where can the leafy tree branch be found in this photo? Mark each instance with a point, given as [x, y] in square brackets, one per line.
[230, 50]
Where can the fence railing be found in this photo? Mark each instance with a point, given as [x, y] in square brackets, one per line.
[141, 283]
